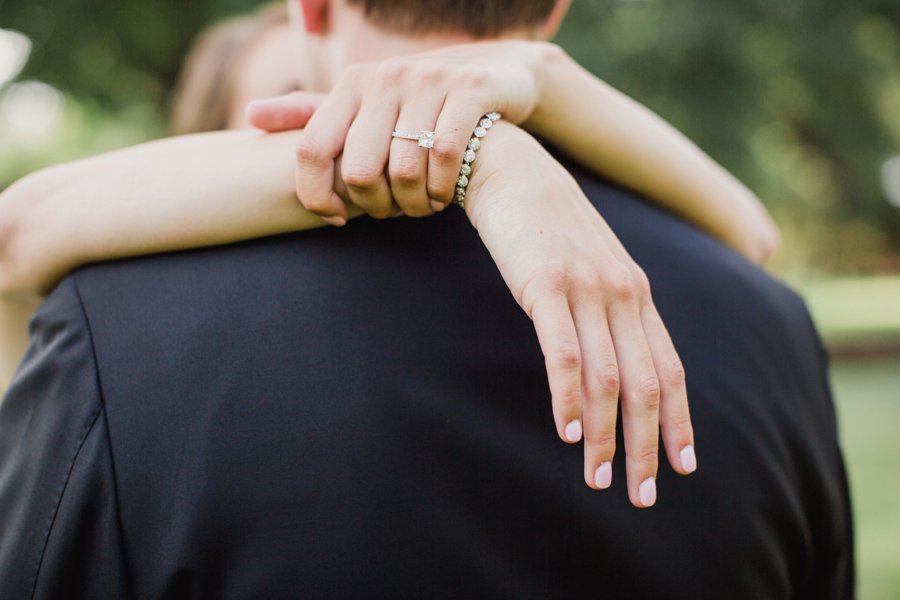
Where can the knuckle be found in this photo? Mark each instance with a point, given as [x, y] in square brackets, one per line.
[444, 195]
[648, 455]
[649, 393]
[361, 173]
[681, 425]
[391, 73]
[540, 285]
[316, 205]
[605, 380]
[570, 397]
[641, 282]
[447, 152]
[674, 372]
[604, 440]
[405, 170]
[566, 357]
[472, 77]
[309, 152]
[429, 73]
[622, 285]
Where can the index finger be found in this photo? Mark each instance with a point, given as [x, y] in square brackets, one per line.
[674, 414]
[559, 342]
[320, 144]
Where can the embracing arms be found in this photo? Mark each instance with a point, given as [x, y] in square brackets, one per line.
[217, 188]
[555, 252]
[534, 84]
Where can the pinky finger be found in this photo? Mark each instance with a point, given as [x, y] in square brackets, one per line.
[559, 342]
[674, 414]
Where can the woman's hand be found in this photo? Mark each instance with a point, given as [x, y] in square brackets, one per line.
[592, 309]
[446, 91]
[534, 84]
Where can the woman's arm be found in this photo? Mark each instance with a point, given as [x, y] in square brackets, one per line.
[562, 263]
[619, 138]
[537, 85]
[179, 193]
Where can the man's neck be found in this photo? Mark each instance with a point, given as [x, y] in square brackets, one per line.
[355, 40]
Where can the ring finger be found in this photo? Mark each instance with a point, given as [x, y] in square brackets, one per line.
[408, 162]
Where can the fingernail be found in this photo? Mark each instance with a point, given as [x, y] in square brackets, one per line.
[688, 459]
[437, 206]
[573, 431]
[647, 492]
[603, 476]
[336, 221]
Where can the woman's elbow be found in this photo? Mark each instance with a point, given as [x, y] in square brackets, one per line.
[9, 228]
[16, 203]
[764, 243]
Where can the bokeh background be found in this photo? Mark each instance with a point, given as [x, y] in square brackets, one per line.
[800, 99]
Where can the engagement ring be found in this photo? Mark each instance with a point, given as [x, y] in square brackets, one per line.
[425, 138]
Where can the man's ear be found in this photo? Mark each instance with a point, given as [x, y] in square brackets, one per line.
[555, 19]
[315, 15]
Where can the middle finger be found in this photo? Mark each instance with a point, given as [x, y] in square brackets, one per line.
[640, 402]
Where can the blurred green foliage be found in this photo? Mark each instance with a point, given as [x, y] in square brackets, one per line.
[800, 99]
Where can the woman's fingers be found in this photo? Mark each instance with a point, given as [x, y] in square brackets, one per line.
[559, 343]
[366, 155]
[408, 165]
[674, 414]
[600, 392]
[282, 113]
[454, 127]
[320, 143]
[640, 399]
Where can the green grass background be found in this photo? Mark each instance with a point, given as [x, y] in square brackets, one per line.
[867, 396]
[867, 399]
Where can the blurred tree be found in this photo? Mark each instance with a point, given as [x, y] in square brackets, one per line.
[800, 99]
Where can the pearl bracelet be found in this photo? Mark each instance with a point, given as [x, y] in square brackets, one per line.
[469, 157]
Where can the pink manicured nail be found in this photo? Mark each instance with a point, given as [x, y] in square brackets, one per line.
[647, 492]
[336, 221]
[437, 206]
[688, 459]
[603, 476]
[573, 431]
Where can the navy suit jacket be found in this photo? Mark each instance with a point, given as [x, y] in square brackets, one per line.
[364, 413]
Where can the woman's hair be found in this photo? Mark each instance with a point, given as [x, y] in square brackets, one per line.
[481, 18]
[204, 93]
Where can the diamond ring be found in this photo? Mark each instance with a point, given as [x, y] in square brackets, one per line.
[425, 138]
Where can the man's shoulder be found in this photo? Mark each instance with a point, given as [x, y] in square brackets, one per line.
[54, 458]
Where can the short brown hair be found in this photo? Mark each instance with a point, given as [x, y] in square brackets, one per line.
[480, 18]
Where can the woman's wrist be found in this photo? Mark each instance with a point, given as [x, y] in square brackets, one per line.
[503, 154]
[551, 71]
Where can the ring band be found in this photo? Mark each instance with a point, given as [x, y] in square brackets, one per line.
[425, 138]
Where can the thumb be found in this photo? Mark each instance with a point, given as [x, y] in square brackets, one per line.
[281, 113]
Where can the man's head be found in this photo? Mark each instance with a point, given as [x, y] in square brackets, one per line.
[340, 32]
